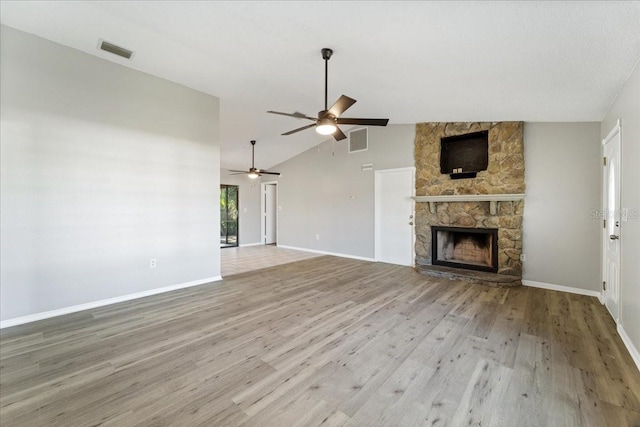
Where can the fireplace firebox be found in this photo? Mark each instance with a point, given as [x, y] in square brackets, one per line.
[468, 248]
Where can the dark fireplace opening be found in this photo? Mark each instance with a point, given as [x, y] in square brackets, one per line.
[469, 248]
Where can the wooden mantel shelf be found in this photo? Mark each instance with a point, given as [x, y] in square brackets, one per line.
[493, 199]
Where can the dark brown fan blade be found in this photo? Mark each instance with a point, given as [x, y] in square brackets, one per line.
[365, 122]
[270, 173]
[338, 135]
[300, 115]
[341, 105]
[299, 129]
[231, 170]
[297, 115]
[239, 173]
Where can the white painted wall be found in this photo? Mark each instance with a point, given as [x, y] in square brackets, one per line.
[102, 169]
[561, 237]
[627, 109]
[324, 191]
[249, 203]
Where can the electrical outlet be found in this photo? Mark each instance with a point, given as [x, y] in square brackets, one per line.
[523, 257]
[317, 236]
[152, 263]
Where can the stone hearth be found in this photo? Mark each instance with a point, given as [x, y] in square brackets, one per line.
[480, 277]
[504, 175]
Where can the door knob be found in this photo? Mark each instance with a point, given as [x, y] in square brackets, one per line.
[411, 223]
[614, 237]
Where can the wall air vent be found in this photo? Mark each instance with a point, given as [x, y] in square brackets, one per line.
[116, 50]
[358, 140]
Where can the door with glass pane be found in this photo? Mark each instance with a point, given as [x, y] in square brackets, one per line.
[228, 215]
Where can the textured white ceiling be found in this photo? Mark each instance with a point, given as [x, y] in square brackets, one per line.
[408, 61]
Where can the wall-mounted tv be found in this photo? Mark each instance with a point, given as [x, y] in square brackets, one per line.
[463, 156]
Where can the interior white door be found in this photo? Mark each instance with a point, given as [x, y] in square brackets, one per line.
[270, 214]
[394, 234]
[611, 237]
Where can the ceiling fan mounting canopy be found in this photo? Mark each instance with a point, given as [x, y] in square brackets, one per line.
[329, 118]
[253, 172]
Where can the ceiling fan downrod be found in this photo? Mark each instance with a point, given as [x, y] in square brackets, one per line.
[326, 55]
[253, 153]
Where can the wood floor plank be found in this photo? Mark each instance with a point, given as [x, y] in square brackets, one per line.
[395, 396]
[530, 392]
[484, 395]
[324, 341]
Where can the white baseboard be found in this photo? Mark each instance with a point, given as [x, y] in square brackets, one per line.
[87, 306]
[244, 245]
[633, 351]
[560, 288]
[361, 258]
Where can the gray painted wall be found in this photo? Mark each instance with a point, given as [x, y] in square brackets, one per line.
[249, 204]
[561, 163]
[627, 108]
[561, 238]
[324, 191]
[102, 169]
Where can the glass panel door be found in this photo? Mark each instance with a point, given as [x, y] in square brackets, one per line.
[228, 215]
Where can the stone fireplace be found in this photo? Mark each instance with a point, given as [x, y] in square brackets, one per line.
[491, 203]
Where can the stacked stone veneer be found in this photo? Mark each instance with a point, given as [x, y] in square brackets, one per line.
[504, 175]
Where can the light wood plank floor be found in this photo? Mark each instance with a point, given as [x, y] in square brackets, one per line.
[242, 259]
[325, 341]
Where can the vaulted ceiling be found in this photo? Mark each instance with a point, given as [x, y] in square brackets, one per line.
[408, 61]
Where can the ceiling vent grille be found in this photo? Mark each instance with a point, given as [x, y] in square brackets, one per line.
[116, 50]
[358, 140]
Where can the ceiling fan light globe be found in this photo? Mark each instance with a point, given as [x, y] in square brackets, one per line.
[326, 127]
[253, 175]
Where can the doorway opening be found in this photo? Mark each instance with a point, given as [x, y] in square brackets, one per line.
[228, 216]
[269, 209]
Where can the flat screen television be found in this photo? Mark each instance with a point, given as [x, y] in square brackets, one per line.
[463, 156]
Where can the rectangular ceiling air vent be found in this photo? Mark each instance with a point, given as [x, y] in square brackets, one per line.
[358, 140]
[116, 50]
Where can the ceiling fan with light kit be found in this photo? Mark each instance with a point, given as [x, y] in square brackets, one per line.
[328, 119]
[253, 172]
